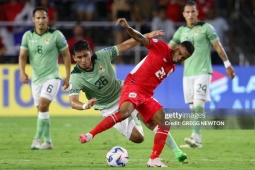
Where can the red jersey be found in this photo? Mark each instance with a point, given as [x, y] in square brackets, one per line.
[154, 68]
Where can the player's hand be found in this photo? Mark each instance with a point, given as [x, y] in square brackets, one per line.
[66, 83]
[123, 22]
[91, 103]
[23, 77]
[155, 33]
[230, 72]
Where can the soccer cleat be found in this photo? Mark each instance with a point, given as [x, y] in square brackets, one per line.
[156, 163]
[192, 142]
[181, 156]
[84, 138]
[46, 145]
[35, 144]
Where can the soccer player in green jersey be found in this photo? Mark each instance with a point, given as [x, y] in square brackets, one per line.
[198, 68]
[94, 75]
[42, 45]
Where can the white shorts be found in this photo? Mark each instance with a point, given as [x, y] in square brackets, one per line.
[197, 87]
[126, 126]
[48, 90]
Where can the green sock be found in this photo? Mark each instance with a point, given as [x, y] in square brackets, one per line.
[46, 132]
[198, 112]
[171, 143]
[40, 127]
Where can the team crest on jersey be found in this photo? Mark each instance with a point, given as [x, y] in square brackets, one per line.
[155, 40]
[47, 40]
[196, 32]
[132, 95]
[100, 68]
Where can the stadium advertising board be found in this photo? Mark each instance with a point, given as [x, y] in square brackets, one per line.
[16, 98]
[238, 93]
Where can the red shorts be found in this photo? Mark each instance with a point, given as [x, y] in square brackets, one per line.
[143, 102]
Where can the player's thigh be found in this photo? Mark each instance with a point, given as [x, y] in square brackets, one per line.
[149, 107]
[50, 89]
[202, 87]
[158, 117]
[188, 89]
[110, 110]
[36, 92]
[126, 127]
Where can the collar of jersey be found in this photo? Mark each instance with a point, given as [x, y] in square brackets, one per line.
[47, 30]
[199, 23]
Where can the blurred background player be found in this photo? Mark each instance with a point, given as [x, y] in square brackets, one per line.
[43, 55]
[198, 68]
[160, 21]
[224, 33]
[78, 34]
[3, 49]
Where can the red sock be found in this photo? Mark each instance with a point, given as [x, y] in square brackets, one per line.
[106, 123]
[159, 142]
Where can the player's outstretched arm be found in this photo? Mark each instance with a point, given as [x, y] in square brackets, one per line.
[133, 33]
[130, 43]
[78, 105]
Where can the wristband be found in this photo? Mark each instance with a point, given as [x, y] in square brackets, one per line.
[227, 63]
[84, 106]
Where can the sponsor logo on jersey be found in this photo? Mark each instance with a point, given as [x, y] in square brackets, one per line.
[32, 41]
[155, 40]
[47, 40]
[132, 95]
[89, 78]
[107, 48]
[170, 72]
[165, 60]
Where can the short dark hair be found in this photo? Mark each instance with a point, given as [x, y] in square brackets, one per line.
[80, 46]
[189, 46]
[40, 8]
[190, 3]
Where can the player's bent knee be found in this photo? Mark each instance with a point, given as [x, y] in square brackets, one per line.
[124, 115]
[136, 138]
[43, 107]
[150, 125]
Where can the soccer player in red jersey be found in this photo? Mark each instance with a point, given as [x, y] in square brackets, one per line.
[137, 92]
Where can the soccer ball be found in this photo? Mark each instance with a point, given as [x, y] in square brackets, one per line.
[117, 157]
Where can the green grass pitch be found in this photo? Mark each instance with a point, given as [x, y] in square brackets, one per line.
[222, 149]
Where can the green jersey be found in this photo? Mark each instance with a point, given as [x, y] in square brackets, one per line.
[43, 51]
[100, 82]
[201, 35]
